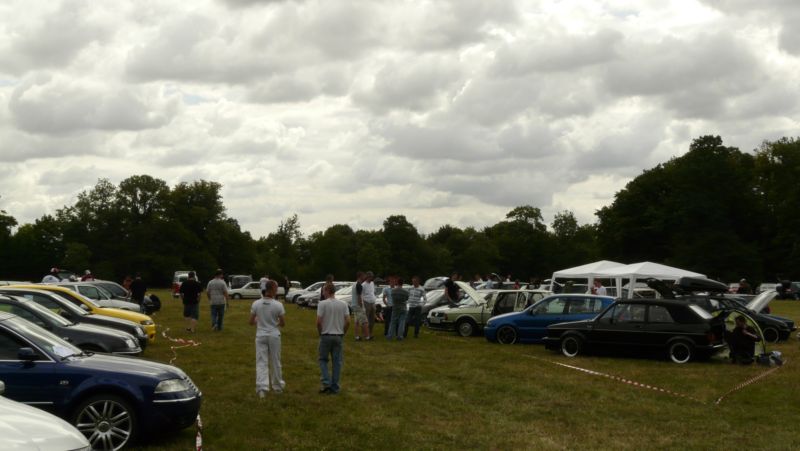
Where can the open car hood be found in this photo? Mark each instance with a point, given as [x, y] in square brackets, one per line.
[762, 300]
[469, 291]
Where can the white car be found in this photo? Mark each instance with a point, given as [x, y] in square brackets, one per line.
[28, 428]
[251, 290]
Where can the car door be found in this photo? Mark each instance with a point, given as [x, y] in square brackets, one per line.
[31, 383]
[621, 325]
[661, 326]
[504, 303]
[90, 292]
[581, 308]
[534, 322]
[252, 290]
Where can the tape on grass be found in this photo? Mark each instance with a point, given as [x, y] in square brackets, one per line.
[181, 342]
[633, 383]
[198, 441]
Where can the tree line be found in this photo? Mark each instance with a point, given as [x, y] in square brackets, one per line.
[716, 210]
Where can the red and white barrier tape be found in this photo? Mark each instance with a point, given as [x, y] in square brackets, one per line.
[651, 387]
[183, 344]
[198, 442]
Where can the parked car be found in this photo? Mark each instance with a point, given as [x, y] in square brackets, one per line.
[111, 399]
[475, 309]
[84, 336]
[530, 325]
[100, 295]
[712, 297]
[766, 287]
[434, 283]
[681, 330]
[295, 287]
[295, 295]
[88, 305]
[73, 313]
[178, 278]
[251, 290]
[311, 300]
[116, 290]
[28, 428]
[239, 280]
[433, 299]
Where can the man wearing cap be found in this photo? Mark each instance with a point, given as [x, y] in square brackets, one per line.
[369, 298]
[52, 277]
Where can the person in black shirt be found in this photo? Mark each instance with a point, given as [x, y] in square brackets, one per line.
[451, 289]
[190, 295]
[742, 342]
[138, 289]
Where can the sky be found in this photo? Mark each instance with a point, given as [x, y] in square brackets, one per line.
[445, 111]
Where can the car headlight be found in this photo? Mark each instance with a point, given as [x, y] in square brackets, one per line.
[172, 386]
[140, 332]
[489, 323]
[147, 322]
[130, 343]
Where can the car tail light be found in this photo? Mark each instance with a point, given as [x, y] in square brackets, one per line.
[712, 337]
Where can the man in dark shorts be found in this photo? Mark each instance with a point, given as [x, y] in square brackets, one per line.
[138, 289]
[190, 295]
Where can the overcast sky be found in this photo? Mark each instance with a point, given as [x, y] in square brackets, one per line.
[348, 111]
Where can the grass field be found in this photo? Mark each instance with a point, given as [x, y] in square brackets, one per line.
[445, 392]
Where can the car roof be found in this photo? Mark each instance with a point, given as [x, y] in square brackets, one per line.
[665, 302]
[5, 315]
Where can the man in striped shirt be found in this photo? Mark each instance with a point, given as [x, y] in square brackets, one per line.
[416, 299]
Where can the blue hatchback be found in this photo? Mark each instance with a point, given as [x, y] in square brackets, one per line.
[108, 398]
[530, 325]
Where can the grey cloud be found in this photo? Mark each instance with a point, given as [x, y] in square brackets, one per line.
[550, 52]
[452, 142]
[20, 146]
[301, 86]
[622, 150]
[410, 83]
[692, 76]
[44, 104]
[51, 41]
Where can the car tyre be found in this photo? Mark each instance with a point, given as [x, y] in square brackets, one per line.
[681, 351]
[108, 421]
[465, 328]
[771, 335]
[237, 296]
[571, 345]
[506, 335]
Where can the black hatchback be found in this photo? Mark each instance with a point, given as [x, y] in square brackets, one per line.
[678, 329]
[84, 336]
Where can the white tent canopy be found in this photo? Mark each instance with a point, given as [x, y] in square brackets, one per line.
[586, 271]
[644, 270]
[621, 273]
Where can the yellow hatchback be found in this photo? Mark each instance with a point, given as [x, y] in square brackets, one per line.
[87, 304]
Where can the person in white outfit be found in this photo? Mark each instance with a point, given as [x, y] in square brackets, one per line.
[268, 315]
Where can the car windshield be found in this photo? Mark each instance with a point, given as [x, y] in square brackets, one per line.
[74, 297]
[113, 288]
[52, 317]
[44, 339]
[104, 294]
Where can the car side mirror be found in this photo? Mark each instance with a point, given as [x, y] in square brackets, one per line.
[26, 354]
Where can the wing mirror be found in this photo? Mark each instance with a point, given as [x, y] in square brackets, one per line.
[26, 354]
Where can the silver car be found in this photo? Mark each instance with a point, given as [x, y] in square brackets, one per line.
[100, 296]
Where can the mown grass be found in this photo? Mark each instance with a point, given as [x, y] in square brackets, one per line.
[445, 392]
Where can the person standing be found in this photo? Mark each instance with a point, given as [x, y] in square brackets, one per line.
[451, 289]
[52, 276]
[357, 304]
[333, 321]
[138, 289]
[268, 314]
[217, 292]
[598, 288]
[262, 283]
[190, 296]
[400, 299]
[387, 302]
[87, 276]
[416, 299]
[744, 287]
[286, 286]
[368, 298]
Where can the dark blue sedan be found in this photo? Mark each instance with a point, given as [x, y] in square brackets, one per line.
[108, 398]
[530, 325]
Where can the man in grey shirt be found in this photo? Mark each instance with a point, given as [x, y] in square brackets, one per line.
[333, 320]
[217, 292]
[268, 314]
